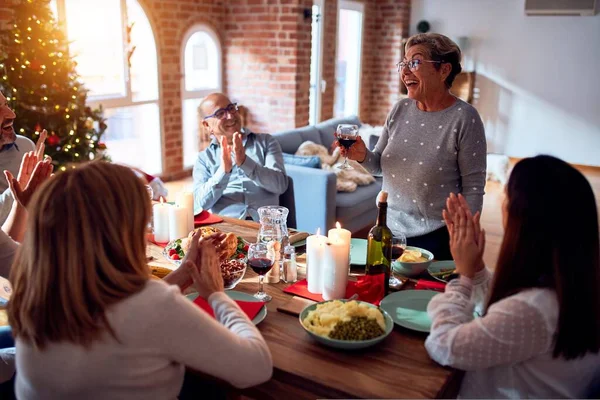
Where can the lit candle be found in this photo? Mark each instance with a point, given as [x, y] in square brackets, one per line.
[315, 245]
[186, 200]
[335, 270]
[343, 235]
[160, 214]
[178, 223]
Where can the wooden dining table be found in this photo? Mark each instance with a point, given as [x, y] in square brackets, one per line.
[398, 367]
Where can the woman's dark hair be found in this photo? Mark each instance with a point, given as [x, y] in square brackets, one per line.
[441, 48]
[551, 240]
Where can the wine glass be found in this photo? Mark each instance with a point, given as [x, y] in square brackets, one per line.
[346, 135]
[260, 259]
[398, 247]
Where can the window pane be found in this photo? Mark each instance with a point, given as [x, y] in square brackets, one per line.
[348, 63]
[96, 35]
[315, 74]
[133, 136]
[144, 70]
[191, 132]
[202, 63]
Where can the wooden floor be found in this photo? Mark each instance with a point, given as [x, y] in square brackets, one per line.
[491, 218]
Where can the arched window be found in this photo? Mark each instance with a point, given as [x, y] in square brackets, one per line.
[201, 75]
[113, 44]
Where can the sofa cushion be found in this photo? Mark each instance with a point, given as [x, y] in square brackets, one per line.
[302, 161]
[363, 199]
[292, 139]
[327, 128]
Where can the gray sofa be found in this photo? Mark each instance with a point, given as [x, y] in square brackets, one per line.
[317, 202]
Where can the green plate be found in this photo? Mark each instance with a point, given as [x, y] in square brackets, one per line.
[347, 344]
[438, 266]
[408, 308]
[299, 243]
[358, 251]
[239, 296]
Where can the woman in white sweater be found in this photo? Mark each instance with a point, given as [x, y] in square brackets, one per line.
[89, 322]
[539, 336]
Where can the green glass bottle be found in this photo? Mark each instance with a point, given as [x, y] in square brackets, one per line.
[379, 247]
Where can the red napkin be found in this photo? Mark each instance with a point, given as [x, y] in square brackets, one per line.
[206, 218]
[369, 288]
[251, 308]
[150, 237]
[423, 284]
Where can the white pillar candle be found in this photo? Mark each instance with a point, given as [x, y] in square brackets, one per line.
[186, 200]
[315, 245]
[160, 214]
[178, 223]
[335, 270]
[343, 235]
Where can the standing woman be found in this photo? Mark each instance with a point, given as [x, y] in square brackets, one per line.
[432, 144]
[89, 322]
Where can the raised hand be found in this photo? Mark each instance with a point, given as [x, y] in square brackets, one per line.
[40, 174]
[207, 274]
[226, 155]
[238, 149]
[467, 239]
[28, 163]
[357, 152]
[40, 145]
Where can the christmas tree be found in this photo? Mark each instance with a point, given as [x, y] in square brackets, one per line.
[39, 79]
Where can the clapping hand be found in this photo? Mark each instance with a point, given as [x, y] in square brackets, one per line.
[207, 274]
[238, 149]
[226, 155]
[31, 159]
[467, 239]
[31, 176]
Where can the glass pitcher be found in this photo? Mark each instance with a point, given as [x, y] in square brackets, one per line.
[273, 231]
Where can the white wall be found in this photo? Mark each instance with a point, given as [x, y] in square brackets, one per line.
[538, 77]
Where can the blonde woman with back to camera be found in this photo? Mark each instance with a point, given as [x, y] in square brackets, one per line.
[89, 322]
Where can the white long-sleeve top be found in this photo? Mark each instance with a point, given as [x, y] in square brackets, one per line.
[160, 332]
[508, 352]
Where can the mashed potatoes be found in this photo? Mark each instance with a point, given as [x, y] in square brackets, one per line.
[325, 317]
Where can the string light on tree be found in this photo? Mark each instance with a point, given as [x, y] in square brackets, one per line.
[35, 64]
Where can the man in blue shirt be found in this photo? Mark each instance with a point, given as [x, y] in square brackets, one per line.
[240, 171]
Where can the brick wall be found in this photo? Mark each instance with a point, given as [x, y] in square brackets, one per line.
[330, 18]
[267, 51]
[385, 24]
[171, 19]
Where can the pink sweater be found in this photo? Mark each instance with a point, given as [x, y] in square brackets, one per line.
[160, 332]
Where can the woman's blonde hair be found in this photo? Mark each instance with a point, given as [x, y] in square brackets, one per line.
[441, 48]
[84, 250]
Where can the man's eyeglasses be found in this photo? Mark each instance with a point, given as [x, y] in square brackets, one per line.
[222, 112]
[413, 65]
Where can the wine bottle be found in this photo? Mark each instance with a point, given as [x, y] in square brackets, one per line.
[379, 247]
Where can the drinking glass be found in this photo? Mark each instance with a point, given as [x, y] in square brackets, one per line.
[346, 135]
[150, 192]
[260, 259]
[398, 247]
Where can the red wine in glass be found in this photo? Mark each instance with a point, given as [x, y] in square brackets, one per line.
[347, 142]
[260, 265]
[397, 251]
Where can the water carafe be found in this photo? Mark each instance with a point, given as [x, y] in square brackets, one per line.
[273, 231]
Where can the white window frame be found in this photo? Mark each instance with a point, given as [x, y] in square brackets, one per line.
[109, 102]
[360, 7]
[320, 82]
[194, 94]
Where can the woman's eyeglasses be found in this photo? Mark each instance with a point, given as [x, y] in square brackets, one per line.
[413, 65]
[222, 112]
